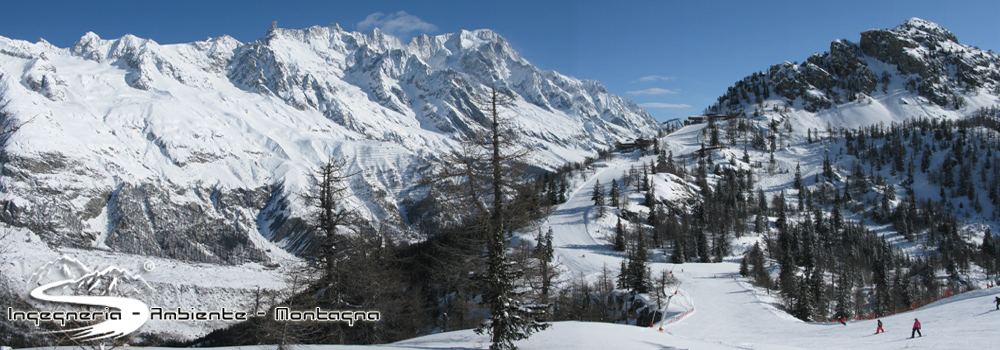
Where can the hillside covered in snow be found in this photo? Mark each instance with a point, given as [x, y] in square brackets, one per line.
[199, 156]
[142, 148]
[860, 184]
[917, 69]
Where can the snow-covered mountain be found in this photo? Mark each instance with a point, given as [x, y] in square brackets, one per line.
[917, 69]
[861, 134]
[201, 151]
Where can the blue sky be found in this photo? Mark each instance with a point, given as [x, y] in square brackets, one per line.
[674, 58]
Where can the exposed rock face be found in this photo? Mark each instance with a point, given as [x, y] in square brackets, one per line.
[923, 56]
[143, 220]
[140, 218]
[42, 77]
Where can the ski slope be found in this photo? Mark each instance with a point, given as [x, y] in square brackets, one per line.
[729, 313]
[580, 238]
[732, 315]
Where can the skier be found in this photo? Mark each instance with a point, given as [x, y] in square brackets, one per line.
[997, 300]
[879, 330]
[916, 328]
[842, 320]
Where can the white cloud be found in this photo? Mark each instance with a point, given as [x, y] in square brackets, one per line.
[399, 24]
[655, 78]
[654, 91]
[664, 105]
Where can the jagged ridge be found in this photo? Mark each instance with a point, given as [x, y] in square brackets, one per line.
[199, 151]
[921, 56]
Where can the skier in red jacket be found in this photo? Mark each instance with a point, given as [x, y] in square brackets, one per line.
[916, 328]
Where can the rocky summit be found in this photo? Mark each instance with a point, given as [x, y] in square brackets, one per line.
[917, 57]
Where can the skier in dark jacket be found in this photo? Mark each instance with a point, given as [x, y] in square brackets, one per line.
[997, 300]
[879, 330]
[916, 328]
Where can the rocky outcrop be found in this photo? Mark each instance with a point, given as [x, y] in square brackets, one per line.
[143, 220]
[926, 58]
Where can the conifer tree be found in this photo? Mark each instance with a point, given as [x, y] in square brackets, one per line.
[802, 303]
[509, 320]
[598, 198]
[644, 185]
[623, 275]
[816, 293]
[615, 193]
[798, 178]
[619, 239]
[598, 194]
[330, 219]
[545, 252]
[655, 213]
[843, 291]
[757, 266]
[562, 191]
[678, 257]
[636, 271]
[650, 197]
[661, 163]
[745, 265]
[703, 250]
[827, 169]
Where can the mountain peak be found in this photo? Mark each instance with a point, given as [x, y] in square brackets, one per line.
[464, 39]
[918, 27]
[87, 46]
[920, 57]
[381, 39]
[89, 36]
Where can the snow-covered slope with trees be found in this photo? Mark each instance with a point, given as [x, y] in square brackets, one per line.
[818, 178]
[862, 207]
[143, 148]
[200, 154]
